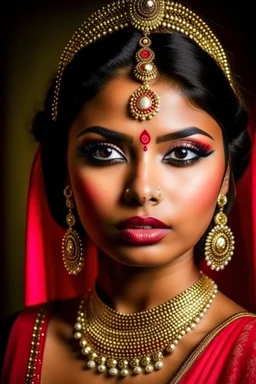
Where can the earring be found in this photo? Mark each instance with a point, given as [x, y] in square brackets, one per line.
[219, 246]
[72, 248]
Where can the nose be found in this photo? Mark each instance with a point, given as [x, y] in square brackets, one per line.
[143, 187]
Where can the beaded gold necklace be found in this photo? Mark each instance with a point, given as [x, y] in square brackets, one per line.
[120, 343]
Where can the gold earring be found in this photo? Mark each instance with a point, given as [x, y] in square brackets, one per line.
[219, 246]
[72, 248]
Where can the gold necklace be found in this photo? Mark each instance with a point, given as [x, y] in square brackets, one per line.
[120, 343]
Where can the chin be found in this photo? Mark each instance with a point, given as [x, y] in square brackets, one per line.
[147, 256]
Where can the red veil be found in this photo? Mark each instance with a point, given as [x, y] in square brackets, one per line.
[46, 278]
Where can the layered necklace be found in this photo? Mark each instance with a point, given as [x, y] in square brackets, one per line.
[122, 344]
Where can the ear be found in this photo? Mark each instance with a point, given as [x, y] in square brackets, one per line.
[225, 184]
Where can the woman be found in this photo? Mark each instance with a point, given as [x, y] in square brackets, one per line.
[145, 133]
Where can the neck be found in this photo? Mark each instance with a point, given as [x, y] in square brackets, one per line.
[130, 289]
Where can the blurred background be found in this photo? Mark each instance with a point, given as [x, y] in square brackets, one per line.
[33, 37]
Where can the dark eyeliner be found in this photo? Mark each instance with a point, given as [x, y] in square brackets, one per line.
[201, 150]
[87, 149]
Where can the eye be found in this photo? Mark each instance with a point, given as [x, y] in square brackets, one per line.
[100, 152]
[187, 153]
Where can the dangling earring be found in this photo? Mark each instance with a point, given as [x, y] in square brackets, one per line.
[72, 248]
[219, 246]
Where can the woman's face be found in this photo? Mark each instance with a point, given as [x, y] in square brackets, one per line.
[176, 179]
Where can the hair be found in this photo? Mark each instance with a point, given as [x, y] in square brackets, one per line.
[179, 61]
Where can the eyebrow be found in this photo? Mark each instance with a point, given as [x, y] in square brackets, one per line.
[188, 131]
[114, 135]
[108, 133]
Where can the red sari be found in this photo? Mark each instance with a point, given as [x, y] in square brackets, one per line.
[227, 355]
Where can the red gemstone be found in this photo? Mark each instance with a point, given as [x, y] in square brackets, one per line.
[145, 54]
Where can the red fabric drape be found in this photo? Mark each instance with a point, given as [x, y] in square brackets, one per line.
[45, 275]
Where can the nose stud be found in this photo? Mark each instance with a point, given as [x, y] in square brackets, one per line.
[159, 193]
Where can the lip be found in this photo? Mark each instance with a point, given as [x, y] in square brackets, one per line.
[138, 221]
[135, 230]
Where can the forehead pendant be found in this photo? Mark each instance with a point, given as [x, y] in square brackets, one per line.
[146, 15]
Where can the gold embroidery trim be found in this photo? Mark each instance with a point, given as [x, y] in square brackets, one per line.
[204, 343]
[34, 346]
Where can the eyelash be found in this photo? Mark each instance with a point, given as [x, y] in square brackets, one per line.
[199, 149]
[89, 149]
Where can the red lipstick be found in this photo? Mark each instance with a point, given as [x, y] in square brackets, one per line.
[143, 230]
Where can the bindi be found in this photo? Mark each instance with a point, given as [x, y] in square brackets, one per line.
[145, 139]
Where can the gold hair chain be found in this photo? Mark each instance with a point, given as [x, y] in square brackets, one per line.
[148, 16]
[122, 344]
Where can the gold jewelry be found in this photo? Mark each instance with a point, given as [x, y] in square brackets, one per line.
[132, 343]
[72, 248]
[219, 246]
[148, 16]
[159, 192]
[144, 103]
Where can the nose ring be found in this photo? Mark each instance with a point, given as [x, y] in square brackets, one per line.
[159, 192]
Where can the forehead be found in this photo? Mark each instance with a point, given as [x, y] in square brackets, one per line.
[109, 108]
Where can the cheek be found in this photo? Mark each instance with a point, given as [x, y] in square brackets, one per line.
[94, 195]
[199, 202]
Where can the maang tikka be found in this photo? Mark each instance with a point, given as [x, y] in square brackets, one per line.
[72, 248]
[145, 15]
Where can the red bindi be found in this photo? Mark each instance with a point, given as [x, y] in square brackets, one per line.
[145, 139]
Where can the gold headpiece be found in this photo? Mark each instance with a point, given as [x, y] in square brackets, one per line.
[147, 16]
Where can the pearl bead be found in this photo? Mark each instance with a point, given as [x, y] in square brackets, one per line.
[83, 343]
[101, 368]
[113, 371]
[78, 335]
[150, 3]
[144, 102]
[86, 350]
[137, 370]
[170, 348]
[124, 372]
[91, 364]
[148, 67]
[111, 363]
[149, 368]
[78, 326]
[159, 364]
[221, 244]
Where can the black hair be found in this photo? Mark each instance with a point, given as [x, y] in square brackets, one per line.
[179, 60]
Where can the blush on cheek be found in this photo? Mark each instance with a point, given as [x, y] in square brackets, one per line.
[203, 193]
[206, 204]
[87, 195]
